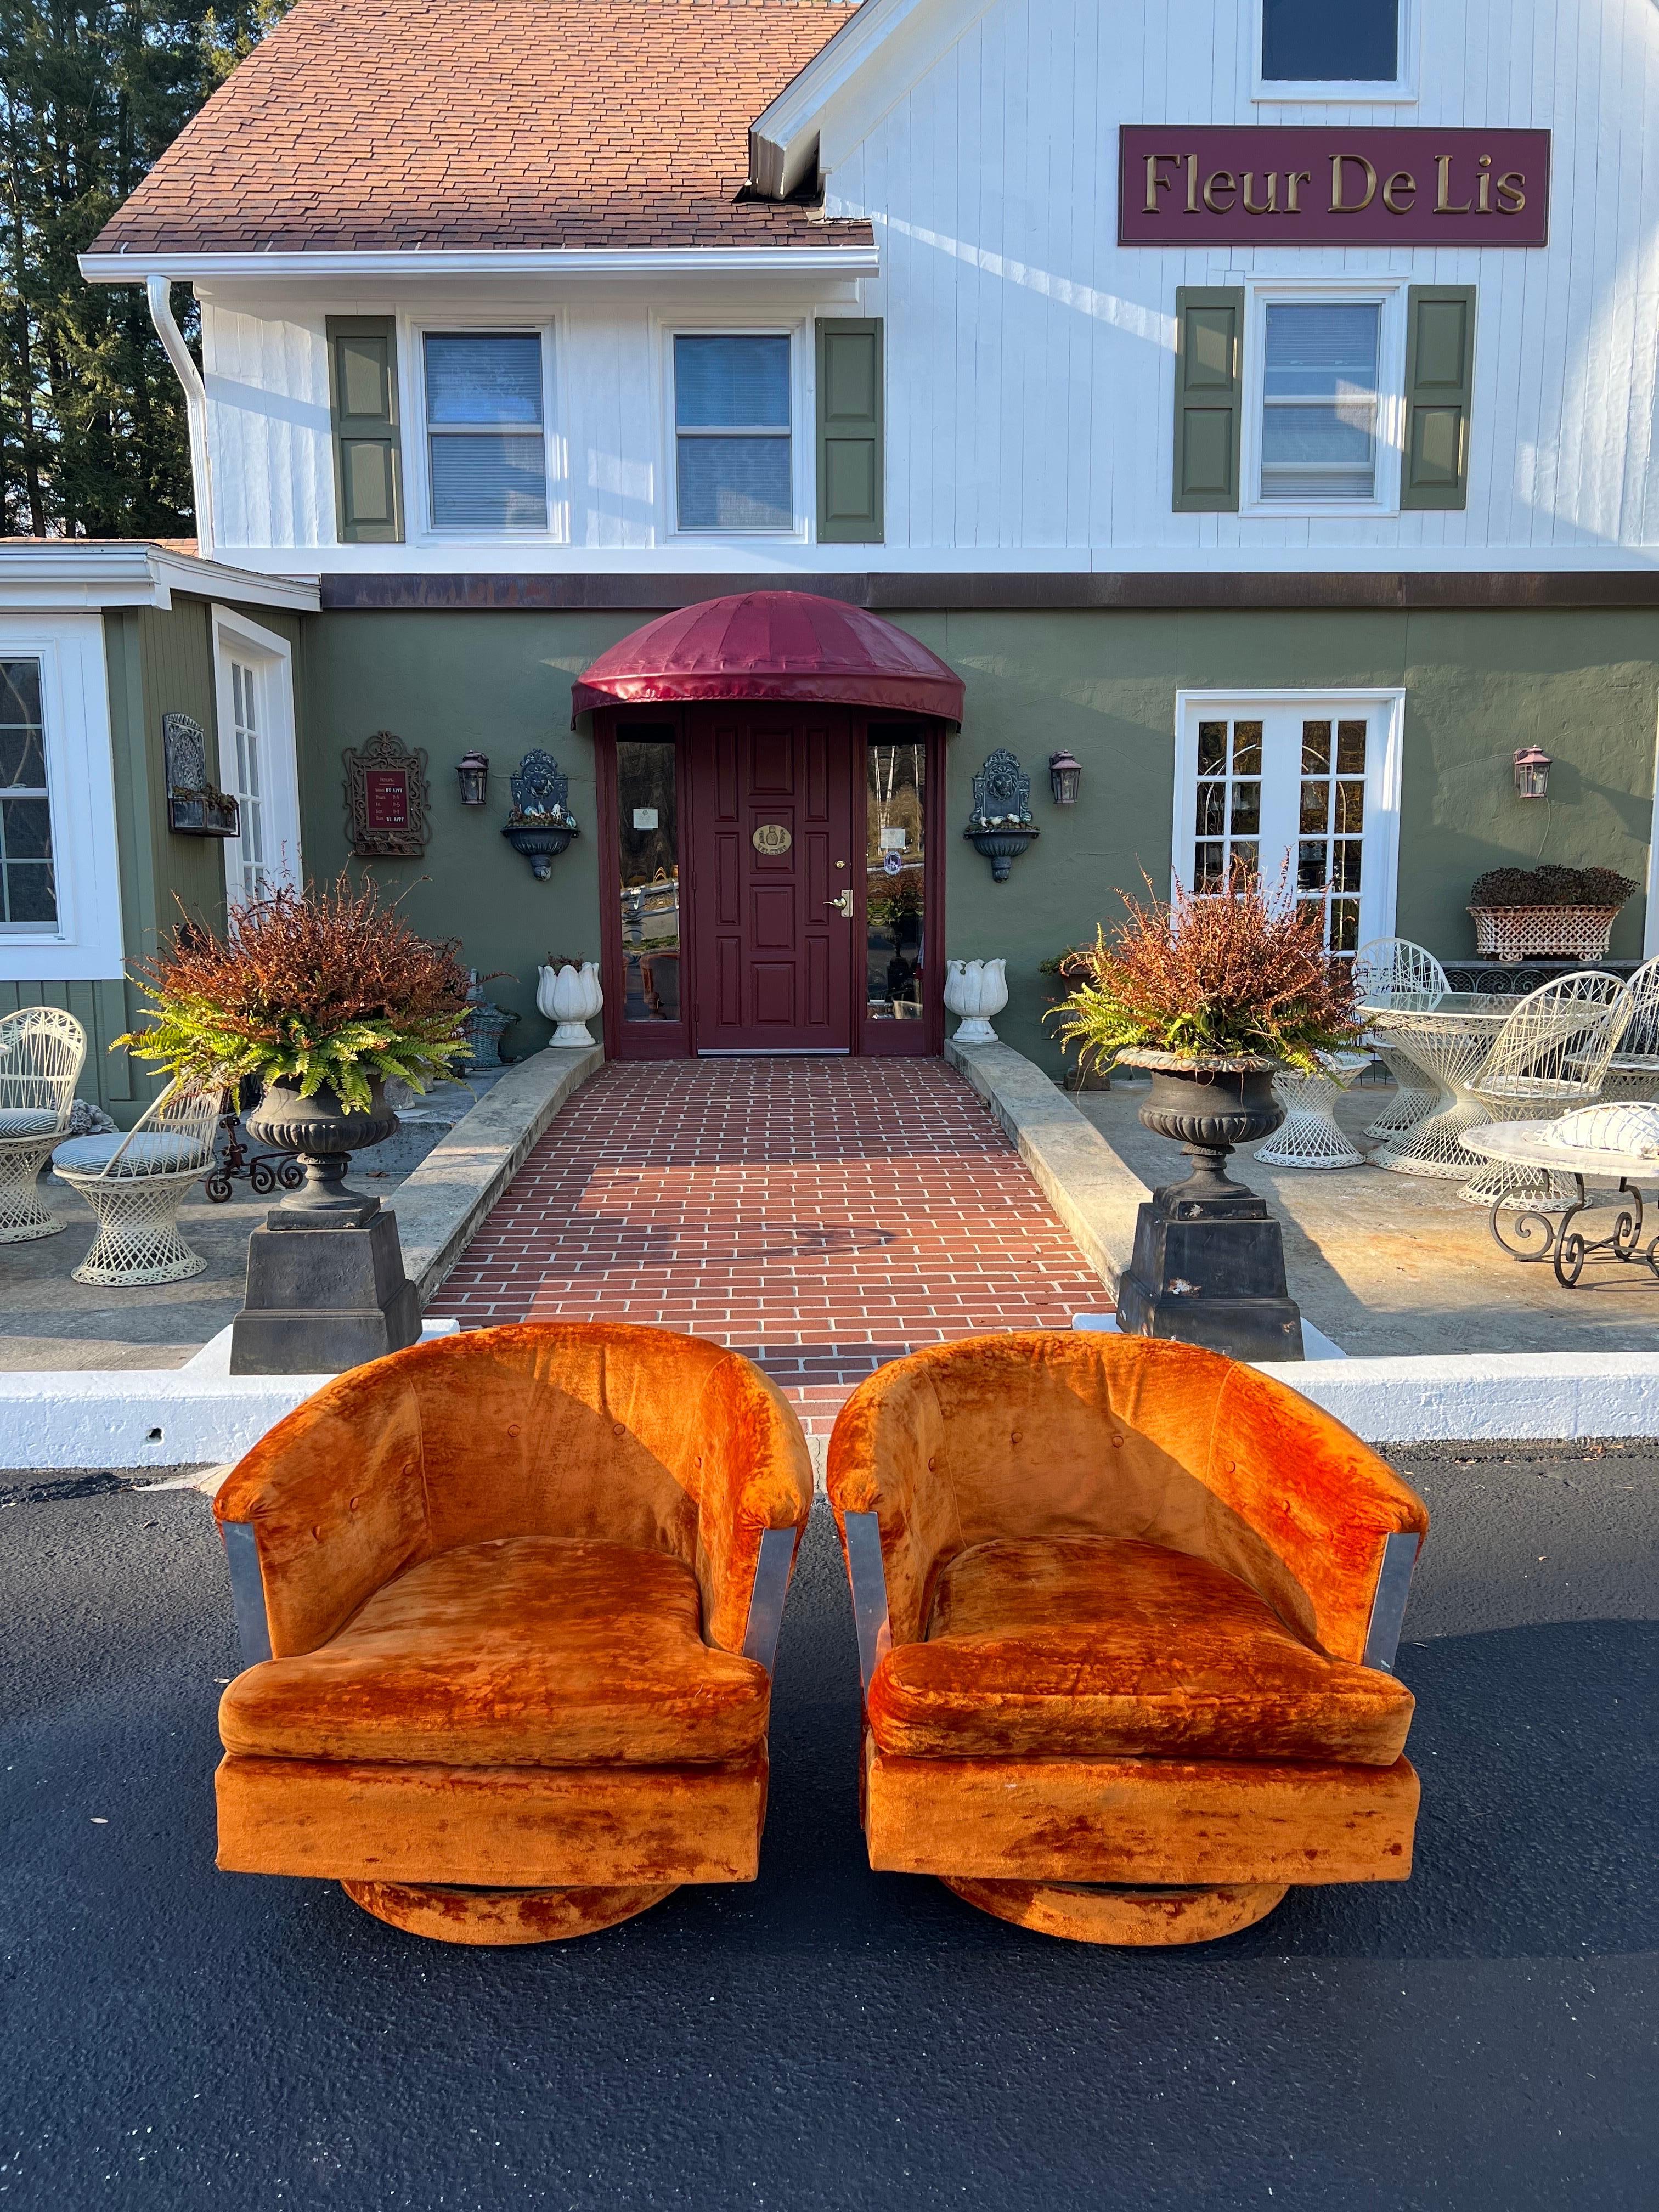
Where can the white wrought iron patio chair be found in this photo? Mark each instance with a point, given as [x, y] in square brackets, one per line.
[42, 1052]
[1549, 1056]
[134, 1184]
[1633, 1071]
[1387, 971]
[1310, 1136]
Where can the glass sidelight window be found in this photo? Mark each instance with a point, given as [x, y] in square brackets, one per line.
[648, 839]
[896, 862]
[1303, 793]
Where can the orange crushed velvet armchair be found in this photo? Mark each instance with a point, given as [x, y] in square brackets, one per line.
[1127, 1617]
[511, 1598]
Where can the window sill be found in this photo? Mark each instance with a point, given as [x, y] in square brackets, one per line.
[1322, 92]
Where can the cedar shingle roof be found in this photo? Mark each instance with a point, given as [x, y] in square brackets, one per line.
[392, 123]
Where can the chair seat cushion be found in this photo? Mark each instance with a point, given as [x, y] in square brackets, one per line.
[151, 1153]
[1105, 1647]
[27, 1121]
[525, 1650]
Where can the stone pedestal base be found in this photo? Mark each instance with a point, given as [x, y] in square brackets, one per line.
[450, 1914]
[325, 1292]
[1104, 1912]
[1208, 1268]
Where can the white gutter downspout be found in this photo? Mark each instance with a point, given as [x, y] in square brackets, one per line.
[159, 291]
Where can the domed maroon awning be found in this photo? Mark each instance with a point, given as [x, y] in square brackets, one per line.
[772, 645]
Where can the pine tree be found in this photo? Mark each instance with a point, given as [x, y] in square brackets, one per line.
[93, 434]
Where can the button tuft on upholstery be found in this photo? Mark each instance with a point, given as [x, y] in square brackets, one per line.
[1117, 1437]
[513, 1428]
[619, 1428]
[353, 1504]
[317, 1535]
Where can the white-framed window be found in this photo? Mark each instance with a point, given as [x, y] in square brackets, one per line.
[1303, 788]
[1310, 50]
[734, 402]
[253, 677]
[60, 892]
[484, 405]
[1324, 398]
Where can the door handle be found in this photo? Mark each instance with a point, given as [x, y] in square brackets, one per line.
[843, 905]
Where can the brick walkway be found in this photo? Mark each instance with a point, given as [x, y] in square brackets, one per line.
[820, 1215]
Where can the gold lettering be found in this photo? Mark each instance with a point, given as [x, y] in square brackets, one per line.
[1155, 184]
[1400, 192]
[1220, 180]
[1192, 184]
[1270, 206]
[1338, 205]
[1483, 195]
[1295, 177]
[1443, 204]
[1511, 198]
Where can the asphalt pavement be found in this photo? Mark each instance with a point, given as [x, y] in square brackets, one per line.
[1487, 2035]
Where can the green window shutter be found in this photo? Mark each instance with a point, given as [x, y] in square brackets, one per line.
[362, 382]
[1439, 378]
[1209, 398]
[850, 459]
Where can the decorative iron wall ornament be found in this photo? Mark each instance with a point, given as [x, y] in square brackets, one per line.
[387, 800]
[1000, 824]
[541, 824]
[195, 807]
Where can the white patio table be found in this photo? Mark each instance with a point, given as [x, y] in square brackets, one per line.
[1449, 1038]
[1533, 1235]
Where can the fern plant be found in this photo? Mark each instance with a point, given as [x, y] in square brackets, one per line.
[330, 991]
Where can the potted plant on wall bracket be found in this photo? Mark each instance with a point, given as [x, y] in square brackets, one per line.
[1546, 914]
[1210, 995]
[1000, 824]
[541, 824]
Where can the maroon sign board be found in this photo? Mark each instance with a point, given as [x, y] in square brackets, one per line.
[386, 790]
[1246, 184]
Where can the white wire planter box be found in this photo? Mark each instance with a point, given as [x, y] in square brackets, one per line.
[1542, 932]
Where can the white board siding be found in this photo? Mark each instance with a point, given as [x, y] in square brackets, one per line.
[1030, 359]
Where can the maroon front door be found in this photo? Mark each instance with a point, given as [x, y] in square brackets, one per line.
[773, 901]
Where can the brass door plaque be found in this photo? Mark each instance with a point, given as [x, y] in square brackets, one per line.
[772, 838]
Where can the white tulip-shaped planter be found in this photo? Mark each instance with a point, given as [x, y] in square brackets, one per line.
[571, 996]
[975, 990]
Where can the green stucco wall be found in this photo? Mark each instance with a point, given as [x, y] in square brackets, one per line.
[1585, 686]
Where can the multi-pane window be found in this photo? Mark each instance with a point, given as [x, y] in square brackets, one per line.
[731, 433]
[1331, 827]
[1227, 827]
[1311, 41]
[486, 438]
[1318, 399]
[29, 891]
[249, 784]
[1295, 792]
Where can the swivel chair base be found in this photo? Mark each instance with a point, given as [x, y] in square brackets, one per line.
[1122, 1913]
[450, 1913]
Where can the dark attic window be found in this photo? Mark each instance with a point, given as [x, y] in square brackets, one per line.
[1312, 41]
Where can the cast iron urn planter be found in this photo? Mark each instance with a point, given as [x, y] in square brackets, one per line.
[325, 1284]
[1208, 1266]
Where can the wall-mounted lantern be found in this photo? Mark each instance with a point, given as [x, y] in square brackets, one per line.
[1064, 774]
[472, 774]
[1532, 772]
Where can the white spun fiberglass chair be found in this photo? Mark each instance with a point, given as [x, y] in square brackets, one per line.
[1392, 970]
[1549, 1056]
[1633, 1071]
[135, 1184]
[1309, 1136]
[42, 1052]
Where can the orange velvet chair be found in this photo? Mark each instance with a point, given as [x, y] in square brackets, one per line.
[511, 1598]
[1127, 1617]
